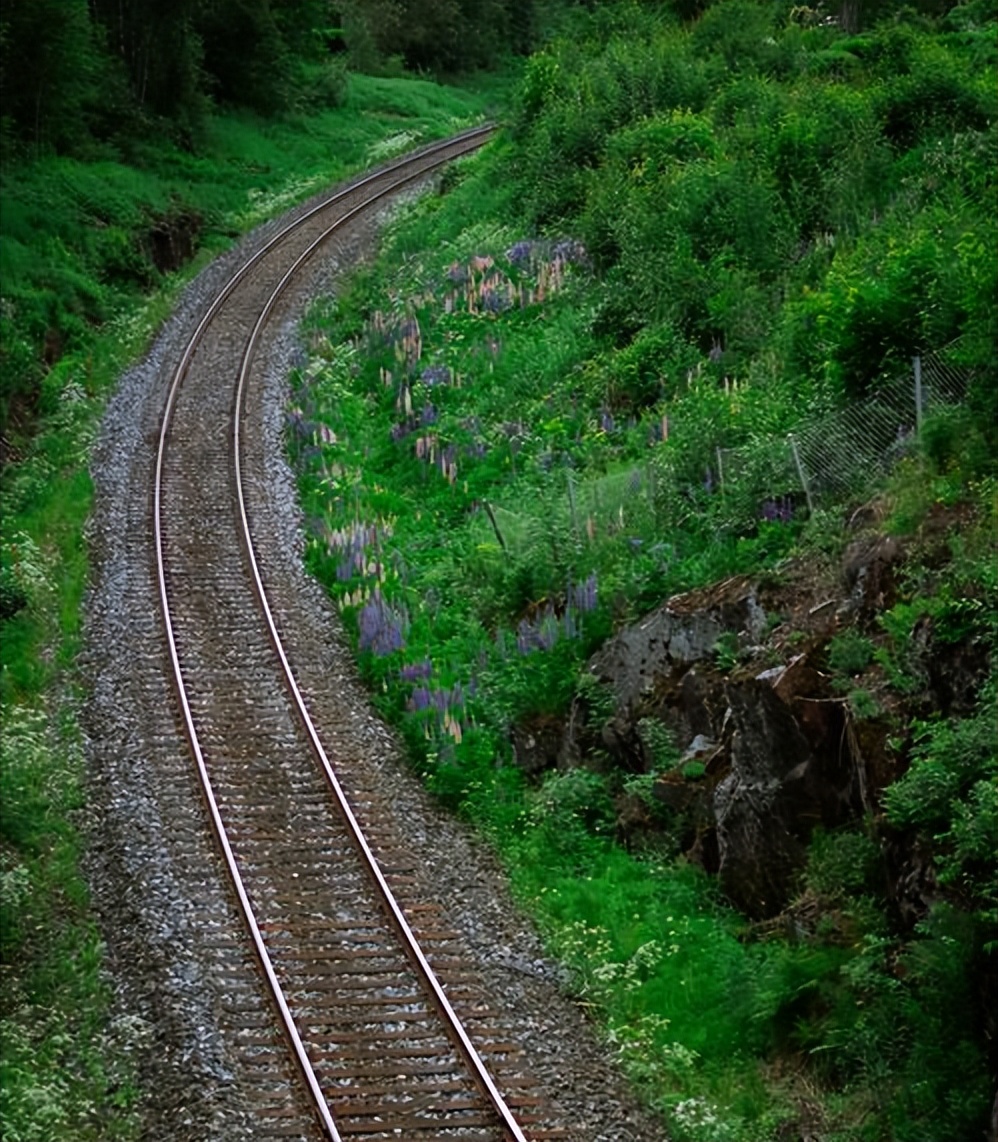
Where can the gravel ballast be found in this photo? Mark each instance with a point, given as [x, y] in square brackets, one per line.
[174, 953]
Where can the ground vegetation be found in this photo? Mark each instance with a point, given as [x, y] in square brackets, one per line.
[561, 399]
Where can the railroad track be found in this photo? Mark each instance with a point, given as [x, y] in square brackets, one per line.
[388, 1032]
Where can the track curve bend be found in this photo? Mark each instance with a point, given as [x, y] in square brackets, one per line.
[373, 1034]
[189, 1006]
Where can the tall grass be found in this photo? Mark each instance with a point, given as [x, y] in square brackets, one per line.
[504, 458]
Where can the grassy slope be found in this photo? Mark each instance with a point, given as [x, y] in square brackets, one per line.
[71, 252]
[75, 239]
[547, 413]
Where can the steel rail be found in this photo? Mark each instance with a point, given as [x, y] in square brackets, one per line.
[456, 1031]
[317, 1097]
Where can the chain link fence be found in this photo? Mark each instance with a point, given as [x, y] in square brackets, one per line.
[839, 454]
[846, 452]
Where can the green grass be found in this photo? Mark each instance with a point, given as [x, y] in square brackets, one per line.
[456, 516]
[75, 236]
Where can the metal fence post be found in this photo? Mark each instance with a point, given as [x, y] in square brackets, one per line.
[800, 473]
[918, 396]
[495, 526]
[650, 481]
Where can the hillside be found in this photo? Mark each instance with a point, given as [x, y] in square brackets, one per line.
[678, 584]
[615, 465]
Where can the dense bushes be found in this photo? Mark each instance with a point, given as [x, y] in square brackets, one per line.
[700, 210]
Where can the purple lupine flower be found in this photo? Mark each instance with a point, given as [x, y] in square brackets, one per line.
[659, 430]
[400, 431]
[572, 251]
[457, 273]
[435, 375]
[419, 699]
[380, 627]
[606, 421]
[569, 625]
[584, 595]
[294, 420]
[779, 510]
[428, 416]
[547, 630]
[413, 671]
[495, 300]
[539, 635]
[520, 253]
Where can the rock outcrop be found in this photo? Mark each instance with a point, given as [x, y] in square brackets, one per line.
[770, 737]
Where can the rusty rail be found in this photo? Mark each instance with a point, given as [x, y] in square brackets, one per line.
[408, 170]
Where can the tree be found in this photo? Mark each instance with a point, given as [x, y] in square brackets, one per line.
[51, 65]
[161, 52]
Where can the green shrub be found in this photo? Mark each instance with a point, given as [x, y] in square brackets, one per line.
[844, 863]
[737, 32]
[849, 652]
[948, 795]
[935, 96]
[952, 438]
[651, 146]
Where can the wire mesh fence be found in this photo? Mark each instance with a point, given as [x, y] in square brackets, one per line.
[841, 453]
[838, 454]
[845, 452]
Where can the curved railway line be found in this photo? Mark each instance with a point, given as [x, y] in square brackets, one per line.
[387, 1033]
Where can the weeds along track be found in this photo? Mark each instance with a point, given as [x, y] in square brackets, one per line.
[383, 1031]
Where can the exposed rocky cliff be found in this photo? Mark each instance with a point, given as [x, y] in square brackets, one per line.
[774, 736]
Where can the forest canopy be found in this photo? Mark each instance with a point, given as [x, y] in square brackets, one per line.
[78, 70]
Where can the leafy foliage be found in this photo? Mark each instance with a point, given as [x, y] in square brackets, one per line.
[949, 794]
[766, 216]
